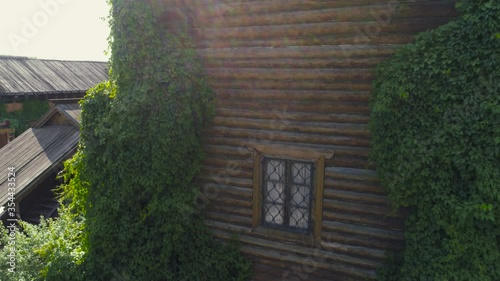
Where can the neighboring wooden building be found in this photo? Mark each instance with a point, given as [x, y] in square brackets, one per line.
[37, 156]
[287, 164]
[24, 78]
[6, 133]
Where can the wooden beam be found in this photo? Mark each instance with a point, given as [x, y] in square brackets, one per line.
[318, 202]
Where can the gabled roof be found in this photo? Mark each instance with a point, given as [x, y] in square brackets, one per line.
[21, 76]
[70, 111]
[38, 151]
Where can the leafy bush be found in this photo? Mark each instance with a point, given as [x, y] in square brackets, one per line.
[436, 143]
[51, 250]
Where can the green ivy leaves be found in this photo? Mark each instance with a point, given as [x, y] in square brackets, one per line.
[435, 127]
[20, 120]
[141, 150]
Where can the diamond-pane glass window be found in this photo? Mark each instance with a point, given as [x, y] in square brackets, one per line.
[287, 194]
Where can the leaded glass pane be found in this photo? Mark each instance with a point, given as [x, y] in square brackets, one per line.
[287, 193]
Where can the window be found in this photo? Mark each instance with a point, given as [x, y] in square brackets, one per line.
[287, 188]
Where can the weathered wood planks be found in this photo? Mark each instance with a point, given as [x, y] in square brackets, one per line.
[299, 73]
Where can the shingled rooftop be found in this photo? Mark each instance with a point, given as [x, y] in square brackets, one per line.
[27, 77]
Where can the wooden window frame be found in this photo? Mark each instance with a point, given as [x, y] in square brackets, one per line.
[315, 156]
[287, 196]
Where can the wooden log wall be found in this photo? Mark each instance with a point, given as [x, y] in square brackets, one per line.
[299, 72]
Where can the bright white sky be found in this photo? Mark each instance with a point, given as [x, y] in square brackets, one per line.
[54, 29]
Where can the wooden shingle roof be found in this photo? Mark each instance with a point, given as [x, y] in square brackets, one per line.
[21, 76]
[39, 150]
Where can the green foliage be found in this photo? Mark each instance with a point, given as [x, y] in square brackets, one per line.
[73, 193]
[140, 151]
[436, 143]
[51, 250]
[20, 120]
[128, 212]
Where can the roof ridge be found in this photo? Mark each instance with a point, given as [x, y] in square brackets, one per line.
[42, 59]
[23, 76]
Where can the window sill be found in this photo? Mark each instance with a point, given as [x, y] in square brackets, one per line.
[285, 236]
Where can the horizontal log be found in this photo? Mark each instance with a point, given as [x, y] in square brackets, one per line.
[204, 18]
[359, 208]
[318, 40]
[268, 234]
[287, 253]
[287, 126]
[352, 152]
[372, 28]
[361, 241]
[351, 174]
[347, 162]
[350, 185]
[244, 7]
[337, 107]
[291, 74]
[374, 254]
[340, 187]
[294, 116]
[334, 258]
[360, 197]
[317, 57]
[218, 145]
[294, 95]
[276, 255]
[288, 137]
[342, 51]
[233, 154]
[339, 162]
[347, 243]
[291, 85]
[234, 165]
[370, 221]
[218, 157]
[370, 232]
[297, 63]
[328, 244]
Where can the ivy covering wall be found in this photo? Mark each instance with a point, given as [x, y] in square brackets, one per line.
[436, 142]
[20, 120]
[128, 206]
[141, 149]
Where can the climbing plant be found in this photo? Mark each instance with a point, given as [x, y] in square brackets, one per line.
[140, 151]
[436, 142]
[127, 206]
[20, 120]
